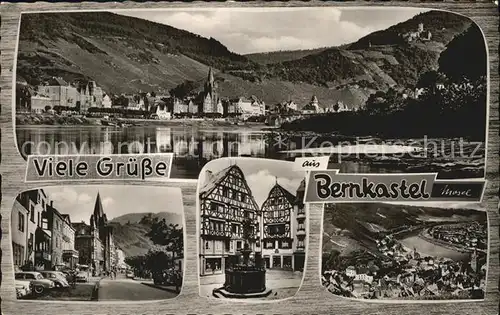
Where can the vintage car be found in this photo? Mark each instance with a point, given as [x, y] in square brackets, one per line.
[130, 274]
[82, 276]
[38, 282]
[23, 288]
[167, 277]
[57, 277]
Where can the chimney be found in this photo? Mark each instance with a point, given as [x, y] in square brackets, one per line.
[209, 175]
[51, 203]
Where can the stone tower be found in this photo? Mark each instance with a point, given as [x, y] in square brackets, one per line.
[210, 94]
[473, 260]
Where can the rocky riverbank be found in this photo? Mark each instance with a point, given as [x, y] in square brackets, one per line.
[43, 119]
[33, 119]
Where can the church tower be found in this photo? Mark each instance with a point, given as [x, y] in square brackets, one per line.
[473, 261]
[210, 98]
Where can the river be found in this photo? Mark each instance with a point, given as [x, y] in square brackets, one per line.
[194, 146]
[430, 249]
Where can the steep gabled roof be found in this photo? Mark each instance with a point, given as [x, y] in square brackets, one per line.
[216, 179]
[219, 177]
[98, 209]
[57, 81]
[288, 195]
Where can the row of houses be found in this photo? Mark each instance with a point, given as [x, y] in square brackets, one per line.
[43, 238]
[278, 227]
[81, 96]
[56, 92]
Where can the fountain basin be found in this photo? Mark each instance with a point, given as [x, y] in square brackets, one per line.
[245, 280]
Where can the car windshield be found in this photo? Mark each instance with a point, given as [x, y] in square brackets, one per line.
[19, 276]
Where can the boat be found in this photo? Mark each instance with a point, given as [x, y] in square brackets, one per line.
[106, 122]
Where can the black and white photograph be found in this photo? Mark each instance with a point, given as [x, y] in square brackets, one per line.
[98, 243]
[377, 90]
[381, 251]
[252, 229]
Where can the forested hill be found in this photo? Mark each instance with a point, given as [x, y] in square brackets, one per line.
[443, 26]
[106, 25]
[121, 53]
[129, 230]
[379, 60]
[127, 55]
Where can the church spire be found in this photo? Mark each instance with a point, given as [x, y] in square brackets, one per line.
[210, 79]
[98, 209]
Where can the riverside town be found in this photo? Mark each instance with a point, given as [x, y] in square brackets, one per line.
[402, 252]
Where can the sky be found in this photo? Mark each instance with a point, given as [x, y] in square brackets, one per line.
[249, 30]
[78, 201]
[260, 174]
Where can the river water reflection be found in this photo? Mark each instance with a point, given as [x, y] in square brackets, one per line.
[193, 147]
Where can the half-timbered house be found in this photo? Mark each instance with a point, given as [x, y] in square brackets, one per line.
[299, 214]
[277, 226]
[226, 201]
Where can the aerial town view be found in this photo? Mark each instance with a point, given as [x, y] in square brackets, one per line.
[253, 229]
[98, 243]
[222, 88]
[404, 252]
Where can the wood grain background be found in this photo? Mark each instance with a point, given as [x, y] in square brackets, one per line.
[311, 298]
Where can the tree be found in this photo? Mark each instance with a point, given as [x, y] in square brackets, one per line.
[138, 263]
[429, 79]
[157, 259]
[465, 56]
[182, 90]
[168, 235]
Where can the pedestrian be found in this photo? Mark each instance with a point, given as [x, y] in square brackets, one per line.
[73, 278]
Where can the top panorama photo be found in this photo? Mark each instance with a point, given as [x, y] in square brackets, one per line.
[379, 90]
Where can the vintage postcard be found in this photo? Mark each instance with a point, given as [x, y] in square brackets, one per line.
[249, 158]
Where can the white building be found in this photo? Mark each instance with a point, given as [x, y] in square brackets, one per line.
[247, 107]
[364, 277]
[351, 271]
[40, 103]
[106, 101]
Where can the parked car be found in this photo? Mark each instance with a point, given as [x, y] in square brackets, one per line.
[130, 274]
[68, 274]
[38, 282]
[23, 288]
[82, 276]
[167, 277]
[58, 277]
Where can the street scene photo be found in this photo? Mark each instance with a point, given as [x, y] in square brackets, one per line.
[404, 251]
[369, 88]
[252, 229]
[98, 243]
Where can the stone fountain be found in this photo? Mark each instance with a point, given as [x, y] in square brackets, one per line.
[245, 279]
